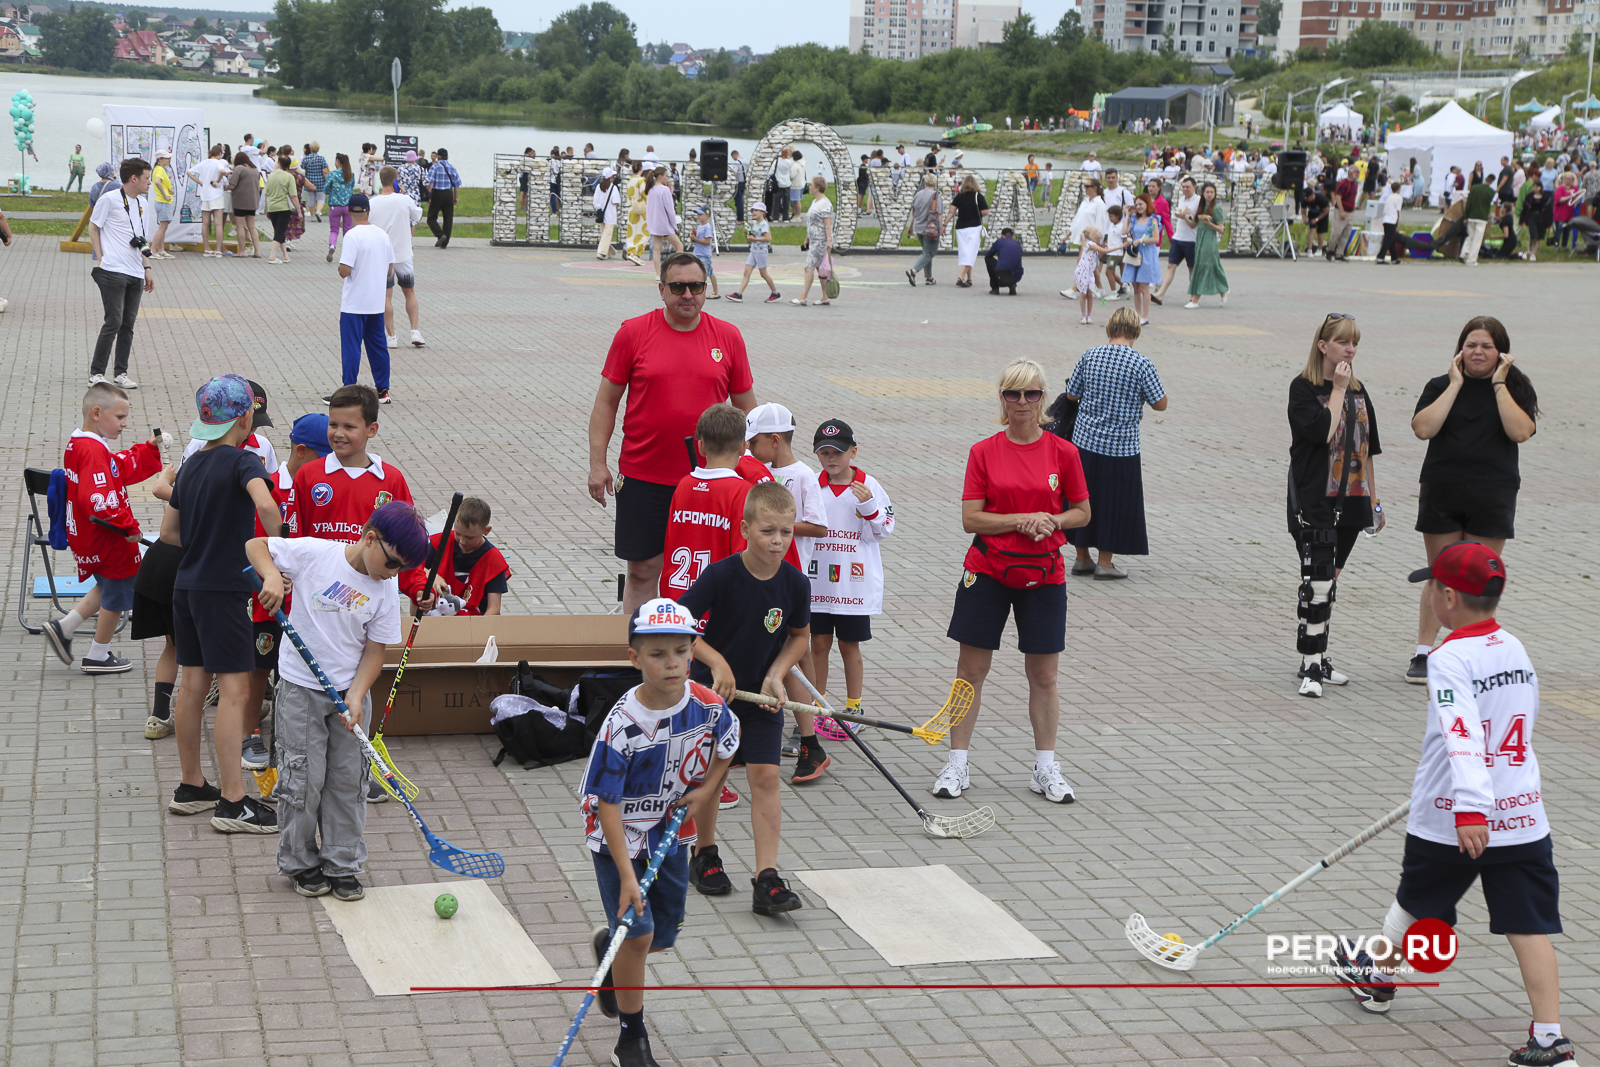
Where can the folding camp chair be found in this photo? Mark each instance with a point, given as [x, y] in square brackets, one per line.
[36, 531]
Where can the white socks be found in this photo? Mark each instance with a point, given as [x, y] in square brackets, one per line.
[1423, 650]
[70, 622]
[958, 757]
[97, 651]
[1546, 1033]
[1043, 758]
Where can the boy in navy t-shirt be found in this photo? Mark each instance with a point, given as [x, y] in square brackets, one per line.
[759, 627]
[220, 492]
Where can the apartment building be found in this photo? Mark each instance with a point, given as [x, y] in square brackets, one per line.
[1490, 28]
[1214, 29]
[911, 29]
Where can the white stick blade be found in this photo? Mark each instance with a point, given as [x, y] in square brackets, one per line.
[1163, 950]
[970, 825]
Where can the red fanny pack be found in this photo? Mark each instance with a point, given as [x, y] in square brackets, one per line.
[1020, 570]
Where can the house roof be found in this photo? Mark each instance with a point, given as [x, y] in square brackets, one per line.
[1164, 92]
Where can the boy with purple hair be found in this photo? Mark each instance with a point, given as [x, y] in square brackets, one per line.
[346, 610]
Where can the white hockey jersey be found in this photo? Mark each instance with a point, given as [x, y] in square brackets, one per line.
[1478, 765]
[801, 481]
[846, 569]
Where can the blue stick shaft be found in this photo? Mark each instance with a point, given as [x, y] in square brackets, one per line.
[668, 837]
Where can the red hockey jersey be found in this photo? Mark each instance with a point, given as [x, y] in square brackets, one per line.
[281, 484]
[333, 502]
[491, 565]
[702, 526]
[97, 481]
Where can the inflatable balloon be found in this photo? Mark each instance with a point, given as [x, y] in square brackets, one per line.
[96, 127]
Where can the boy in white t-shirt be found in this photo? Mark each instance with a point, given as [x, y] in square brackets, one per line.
[365, 262]
[346, 609]
[1477, 810]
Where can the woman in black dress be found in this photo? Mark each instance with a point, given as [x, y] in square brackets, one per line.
[1333, 493]
[1473, 419]
[1537, 213]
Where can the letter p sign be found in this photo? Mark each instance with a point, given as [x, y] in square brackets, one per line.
[1430, 945]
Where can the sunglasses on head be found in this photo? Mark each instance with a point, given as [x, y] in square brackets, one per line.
[693, 287]
[1016, 396]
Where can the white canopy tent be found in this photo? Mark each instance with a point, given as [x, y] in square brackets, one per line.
[1546, 119]
[1448, 138]
[1340, 117]
[1592, 125]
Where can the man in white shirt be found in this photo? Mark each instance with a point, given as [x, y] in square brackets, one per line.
[1184, 212]
[1092, 163]
[366, 259]
[119, 231]
[780, 178]
[397, 215]
[1116, 195]
[1390, 216]
[905, 157]
[650, 159]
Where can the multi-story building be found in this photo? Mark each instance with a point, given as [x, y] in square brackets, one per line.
[1213, 29]
[1489, 28]
[910, 29]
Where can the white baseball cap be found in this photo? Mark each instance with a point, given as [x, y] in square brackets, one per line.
[663, 615]
[768, 418]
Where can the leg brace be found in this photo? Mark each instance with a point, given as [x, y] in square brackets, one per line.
[1317, 550]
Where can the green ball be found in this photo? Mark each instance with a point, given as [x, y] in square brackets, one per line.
[445, 906]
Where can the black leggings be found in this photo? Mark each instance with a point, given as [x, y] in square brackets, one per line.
[280, 225]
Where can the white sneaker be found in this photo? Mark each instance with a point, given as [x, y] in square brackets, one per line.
[416, 339]
[1191, 305]
[1311, 681]
[4, 303]
[951, 781]
[392, 342]
[97, 379]
[1056, 789]
[1070, 294]
[125, 382]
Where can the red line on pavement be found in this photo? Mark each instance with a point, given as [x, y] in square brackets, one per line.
[951, 986]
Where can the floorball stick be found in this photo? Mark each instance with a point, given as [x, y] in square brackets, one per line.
[406, 786]
[620, 934]
[441, 853]
[1170, 952]
[970, 825]
[933, 731]
[694, 459]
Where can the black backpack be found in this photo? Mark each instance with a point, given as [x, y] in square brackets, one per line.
[531, 738]
[598, 693]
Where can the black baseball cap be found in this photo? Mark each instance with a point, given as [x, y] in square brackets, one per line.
[261, 417]
[835, 433]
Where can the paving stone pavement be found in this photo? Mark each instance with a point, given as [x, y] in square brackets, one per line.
[132, 936]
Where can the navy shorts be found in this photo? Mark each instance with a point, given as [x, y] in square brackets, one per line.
[845, 627]
[642, 510]
[760, 734]
[1181, 252]
[665, 900]
[268, 636]
[1520, 884]
[116, 594]
[211, 629]
[983, 604]
[1475, 510]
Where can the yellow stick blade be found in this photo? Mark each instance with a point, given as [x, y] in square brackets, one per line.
[266, 781]
[955, 709]
[406, 786]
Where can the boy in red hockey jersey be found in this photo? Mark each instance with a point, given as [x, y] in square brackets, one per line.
[97, 481]
[473, 569]
[334, 499]
[708, 505]
[1476, 803]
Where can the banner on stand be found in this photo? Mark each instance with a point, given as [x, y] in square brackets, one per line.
[144, 131]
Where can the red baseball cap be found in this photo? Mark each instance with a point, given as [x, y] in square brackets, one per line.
[1468, 567]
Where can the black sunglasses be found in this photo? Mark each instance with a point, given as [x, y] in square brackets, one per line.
[678, 287]
[1014, 396]
[388, 560]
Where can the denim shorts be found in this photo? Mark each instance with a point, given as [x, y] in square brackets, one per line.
[116, 594]
[163, 212]
[665, 900]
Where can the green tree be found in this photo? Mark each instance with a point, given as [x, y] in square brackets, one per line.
[595, 26]
[559, 46]
[720, 68]
[200, 24]
[1376, 43]
[136, 19]
[82, 39]
[663, 52]
[1069, 33]
[1271, 13]
[475, 32]
[597, 87]
[1020, 43]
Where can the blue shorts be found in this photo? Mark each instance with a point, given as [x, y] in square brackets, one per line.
[665, 900]
[1520, 884]
[983, 605]
[844, 627]
[163, 212]
[116, 594]
[1181, 252]
[794, 195]
[705, 261]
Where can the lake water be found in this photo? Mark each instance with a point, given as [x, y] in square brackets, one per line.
[63, 105]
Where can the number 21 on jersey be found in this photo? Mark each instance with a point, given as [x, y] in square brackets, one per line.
[687, 566]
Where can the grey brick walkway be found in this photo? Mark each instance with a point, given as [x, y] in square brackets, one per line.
[132, 936]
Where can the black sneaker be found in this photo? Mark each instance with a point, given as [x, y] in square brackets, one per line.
[112, 664]
[808, 768]
[705, 871]
[312, 883]
[60, 641]
[606, 998]
[247, 816]
[1372, 994]
[346, 887]
[1417, 672]
[376, 794]
[193, 799]
[635, 1053]
[772, 894]
[1535, 1055]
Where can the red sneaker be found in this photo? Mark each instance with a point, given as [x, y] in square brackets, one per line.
[729, 798]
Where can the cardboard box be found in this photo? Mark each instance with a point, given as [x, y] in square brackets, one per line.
[444, 689]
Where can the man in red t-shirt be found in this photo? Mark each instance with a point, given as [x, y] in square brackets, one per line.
[673, 364]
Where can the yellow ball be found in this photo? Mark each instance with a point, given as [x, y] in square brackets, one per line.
[1169, 945]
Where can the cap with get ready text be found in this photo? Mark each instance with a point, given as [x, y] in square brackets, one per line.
[663, 615]
[835, 433]
[1467, 567]
[768, 418]
[222, 401]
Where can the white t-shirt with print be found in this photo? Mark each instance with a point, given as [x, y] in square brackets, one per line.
[368, 253]
[336, 610]
[801, 481]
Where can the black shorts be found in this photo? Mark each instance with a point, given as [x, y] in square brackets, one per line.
[760, 734]
[151, 618]
[244, 212]
[211, 628]
[268, 635]
[1478, 511]
[982, 605]
[1181, 252]
[642, 511]
[844, 627]
[152, 591]
[1520, 884]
